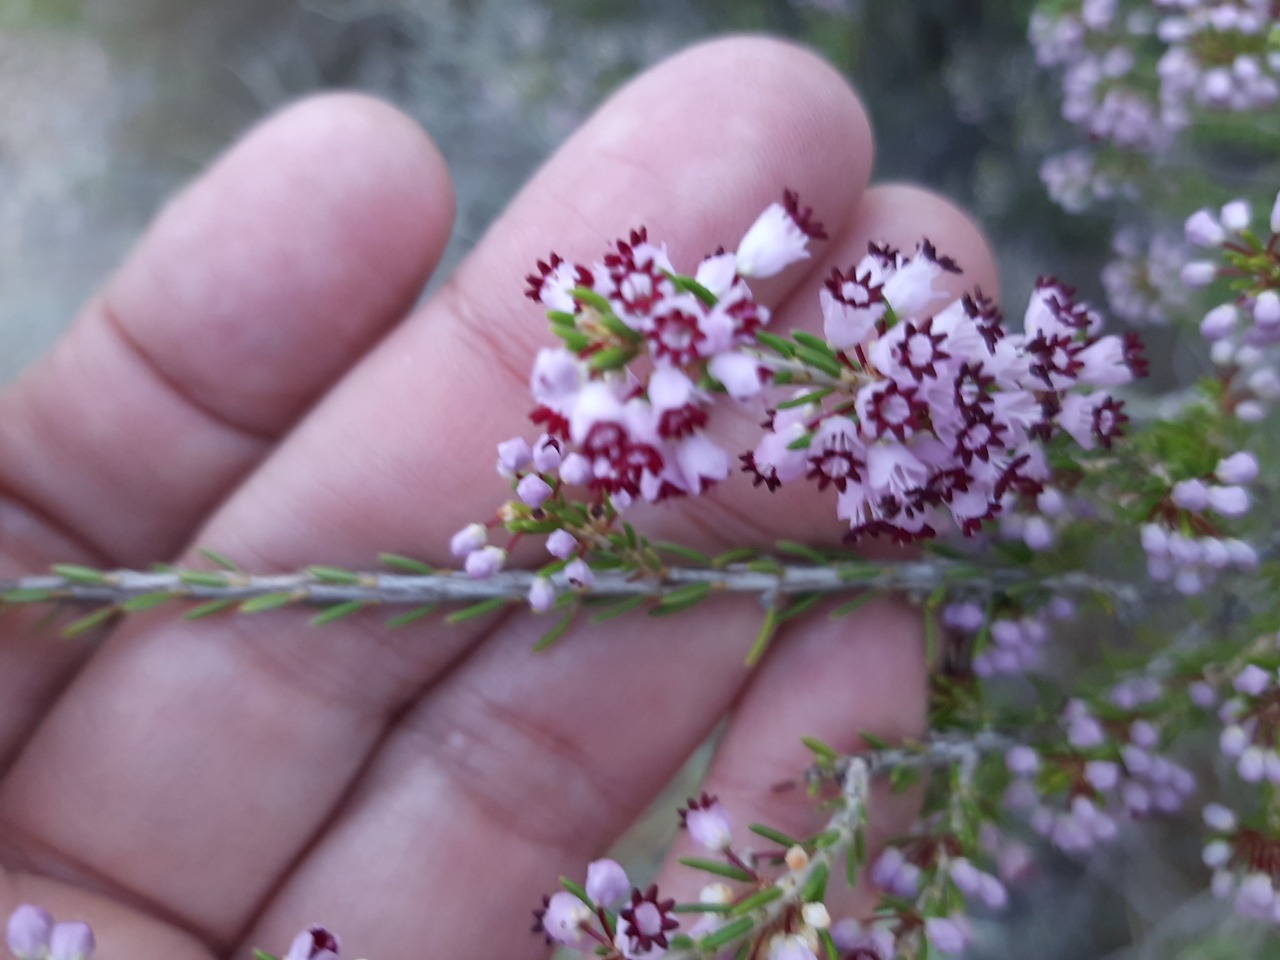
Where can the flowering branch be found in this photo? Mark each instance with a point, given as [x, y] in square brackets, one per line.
[132, 590]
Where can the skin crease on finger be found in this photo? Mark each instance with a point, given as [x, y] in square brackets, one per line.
[387, 839]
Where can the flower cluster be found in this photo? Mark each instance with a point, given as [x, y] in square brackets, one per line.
[1143, 283]
[618, 432]
[609, 912]
[1244, 854]
[1107, 769]
[939, 412]
[781, 919]
[1206, 54]
[1183, 542]
[1217, 56]
[918, 408]
[1012, 641]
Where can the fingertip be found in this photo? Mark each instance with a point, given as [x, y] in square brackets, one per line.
[326, 219]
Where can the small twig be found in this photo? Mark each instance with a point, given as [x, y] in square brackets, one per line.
[855, 782]
[915, 578]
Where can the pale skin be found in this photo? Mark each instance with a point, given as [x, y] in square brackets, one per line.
[252, 380]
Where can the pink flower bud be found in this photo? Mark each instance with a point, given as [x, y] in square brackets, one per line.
[1252, 680]
[1219, 322]
[513, 455]
[1239, 468]
[1229, 501]
[1203, 230]
[28, 933]
[1199, 273]
[1190, 495]
[533, 490]
[542, 595]
[579, 574]
[485, 562]
[607, 882]
[1220, 818]
[947, 934]
[562, 544]
[469, 539]
[1266, 309]
[575, 470]
[1022, 761]
[1251, 765]
[1233, 740]
[71, 941]
[1102, 774]
[1236, 215]
[1275, 215]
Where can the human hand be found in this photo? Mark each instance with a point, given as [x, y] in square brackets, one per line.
[244, 383]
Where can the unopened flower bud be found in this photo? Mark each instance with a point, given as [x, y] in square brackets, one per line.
[1022, 761]
[575, 470]
[816, 915]
[1220, 818]
[1239, 468]
[1217, 853]
[1229, 501]
[469, 539]
[28, 932]
[1190, 495]
[485, 562]
[607, 882]
[542, 595]
[1203, 230]
[513, 455]
[1266, 309]
[1236, 215]
[533, 490]
[1219, 322]
[1252, 680]
[1199, 273]
[796, 858]
[561, 544]
[74, 941]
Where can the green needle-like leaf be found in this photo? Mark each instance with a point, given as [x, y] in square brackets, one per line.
[338, 611]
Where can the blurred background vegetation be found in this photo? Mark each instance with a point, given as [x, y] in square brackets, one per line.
[106, 106]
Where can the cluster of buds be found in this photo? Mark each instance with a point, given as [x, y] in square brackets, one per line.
[1207, 54]
[1244, 329]
[32, 934]
[1251, 725]
[1076, 179]
[1097, 45]
[1009, 642]
[1245, 862]
[1142, 282]
[1217, 55]
[1183, 539]
[1074, 794]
